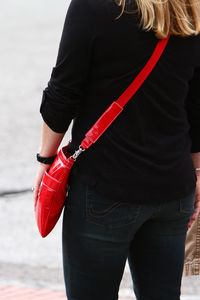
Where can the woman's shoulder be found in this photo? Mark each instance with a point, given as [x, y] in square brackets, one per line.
[91, 4]
[93, 7]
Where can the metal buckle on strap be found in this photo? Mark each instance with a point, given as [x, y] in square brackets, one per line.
[77, 153]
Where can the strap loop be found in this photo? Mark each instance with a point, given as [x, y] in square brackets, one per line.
[102, 124]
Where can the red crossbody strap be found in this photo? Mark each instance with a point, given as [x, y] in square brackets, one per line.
[116, 107]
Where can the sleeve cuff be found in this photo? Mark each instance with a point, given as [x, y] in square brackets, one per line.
[58, 120]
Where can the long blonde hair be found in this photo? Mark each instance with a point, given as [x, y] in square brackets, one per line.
[175, 17]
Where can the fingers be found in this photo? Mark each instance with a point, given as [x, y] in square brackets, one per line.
[37, 189]
[194, 216]
[197, 208]
[38, 180]
[192, 219]
[35, 194]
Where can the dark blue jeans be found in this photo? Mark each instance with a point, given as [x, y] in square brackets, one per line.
[99, 235]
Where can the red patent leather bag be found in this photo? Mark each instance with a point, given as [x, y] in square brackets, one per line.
[53, 188]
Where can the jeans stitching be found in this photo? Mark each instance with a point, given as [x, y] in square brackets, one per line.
[186, 211]
[89, 216]
[104, 212]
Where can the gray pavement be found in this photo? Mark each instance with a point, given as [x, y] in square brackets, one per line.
[30, 33]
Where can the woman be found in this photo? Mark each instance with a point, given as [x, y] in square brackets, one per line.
[134, 193]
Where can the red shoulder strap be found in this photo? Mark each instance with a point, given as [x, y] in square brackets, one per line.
[116, 107]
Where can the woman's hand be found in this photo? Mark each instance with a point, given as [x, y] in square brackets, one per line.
[38, 179]
[49, 147]
[197, 202]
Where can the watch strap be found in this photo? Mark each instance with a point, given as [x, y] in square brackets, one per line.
[45, 160]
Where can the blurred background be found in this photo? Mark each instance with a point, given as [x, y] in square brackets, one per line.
[30, 33]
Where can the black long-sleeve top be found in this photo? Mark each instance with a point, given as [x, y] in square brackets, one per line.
[145, 155]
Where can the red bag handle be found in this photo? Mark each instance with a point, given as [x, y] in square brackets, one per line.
[116, 107]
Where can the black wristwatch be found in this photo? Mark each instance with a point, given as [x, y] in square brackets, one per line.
[45, 160]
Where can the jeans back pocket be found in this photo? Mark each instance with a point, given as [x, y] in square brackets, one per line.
[187, 203]
[106, 212]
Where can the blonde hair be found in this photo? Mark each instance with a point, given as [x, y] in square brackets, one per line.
[175, 17]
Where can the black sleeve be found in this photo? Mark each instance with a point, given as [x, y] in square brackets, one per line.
[193, 110]
[62, 97]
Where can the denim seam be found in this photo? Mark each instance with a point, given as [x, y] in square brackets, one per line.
[89, 206]
[183, 210]
[105, 212]
[89, 216]
[111, 226]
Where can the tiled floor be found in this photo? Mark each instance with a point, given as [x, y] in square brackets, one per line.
[20, 293]
[11, 293]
